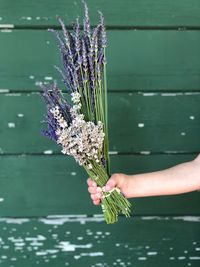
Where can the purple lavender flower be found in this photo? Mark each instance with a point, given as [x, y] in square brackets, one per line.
[82, 57]
[53, 96]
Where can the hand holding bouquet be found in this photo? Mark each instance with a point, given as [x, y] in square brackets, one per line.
[80, 125]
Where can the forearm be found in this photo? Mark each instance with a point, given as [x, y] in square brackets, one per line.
[179, 179]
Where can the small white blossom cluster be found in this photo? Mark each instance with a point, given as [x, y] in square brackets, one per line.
[82, 140]
[57, 115]
[76, 97]
[77, 103]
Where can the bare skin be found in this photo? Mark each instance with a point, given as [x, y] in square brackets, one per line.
[182, 178]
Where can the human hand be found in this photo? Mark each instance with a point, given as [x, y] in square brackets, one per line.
[118, 180]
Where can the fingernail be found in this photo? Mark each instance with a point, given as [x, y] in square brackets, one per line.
[107, 188]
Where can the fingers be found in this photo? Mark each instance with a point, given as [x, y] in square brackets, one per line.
[96, 196]
[90, 182]
[110, 184]
[95, 191]
[96, 202]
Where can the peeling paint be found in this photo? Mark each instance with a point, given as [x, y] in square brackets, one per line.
[13, 94]
[91, 254]
[113, 152]
[140, 125]
[66, 246]
[14, 220]
[149, 94]
[4, 90]
[48, 152]
[48, 78]
[6, 30]
[10, 26]
[20, 115]
[11, 125]
[82, 219]
[145, 152]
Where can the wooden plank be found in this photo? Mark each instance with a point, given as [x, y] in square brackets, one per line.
[123, 13]
[137, 122]
[137, 60]
[81, 241]
[42, 185]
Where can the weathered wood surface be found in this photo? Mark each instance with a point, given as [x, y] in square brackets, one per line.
[87, 241]
[153, 74]
[146, 13]
[48, 184]
[158, 122]
[144, 60]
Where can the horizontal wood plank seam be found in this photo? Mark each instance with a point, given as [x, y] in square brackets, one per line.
[108, 27]
[161, 216]
[140, 91]
[137, 153]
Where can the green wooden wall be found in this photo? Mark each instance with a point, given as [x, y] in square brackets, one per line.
[153, 71]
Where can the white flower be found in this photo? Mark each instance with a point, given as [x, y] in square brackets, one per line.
[82, 140]
[75, 97]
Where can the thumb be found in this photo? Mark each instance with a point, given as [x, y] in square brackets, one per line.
[114, 181]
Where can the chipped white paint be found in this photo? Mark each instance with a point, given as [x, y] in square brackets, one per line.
[11, 125]
[187, 218]
[38, 83]
[66, 246]
[183, 133]
[13, 94]
[164, 218]
[31, 77]
[170, 94]
[48, 152]
[4, 90]
[181, 258]
[82, 219]
[14, 220]
[113, 152]
[6, 30]
[145, 152]
[7, 26]
[45, 252]
[194, 258]
[1, 199]
[152, 253]
[192, 117]
[142, 258]
[91, 254]
[20, 115]
[140, 125]
[149, 94]
[26, 18]
[73, 173]
[39, 237]
[48, 78]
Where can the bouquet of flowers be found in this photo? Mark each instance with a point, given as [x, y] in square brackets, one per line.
[79, 125]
